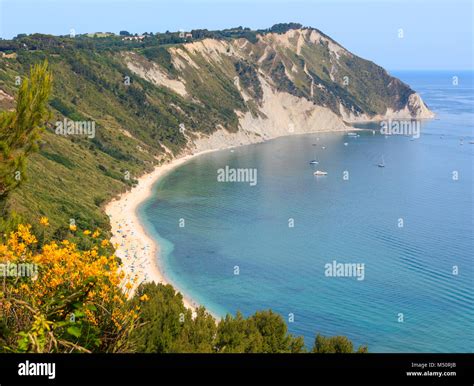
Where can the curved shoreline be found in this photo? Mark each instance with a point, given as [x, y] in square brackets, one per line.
[134, 246]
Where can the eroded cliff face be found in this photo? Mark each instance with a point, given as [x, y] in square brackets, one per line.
[300, 81]
[159, 99]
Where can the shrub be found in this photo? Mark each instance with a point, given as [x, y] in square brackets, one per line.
[74, 302]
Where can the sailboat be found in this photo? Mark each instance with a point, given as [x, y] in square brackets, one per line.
[320, 173]
[382, 164]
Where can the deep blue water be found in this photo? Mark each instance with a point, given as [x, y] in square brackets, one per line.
[408, 270]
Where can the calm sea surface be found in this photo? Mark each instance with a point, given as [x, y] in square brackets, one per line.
[410, 224]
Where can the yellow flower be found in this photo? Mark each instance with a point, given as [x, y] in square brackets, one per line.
[72, 227]
[144, 298]
[25, 234]
[87, 232]
[44, 221]
[96, 234]
[63, 270]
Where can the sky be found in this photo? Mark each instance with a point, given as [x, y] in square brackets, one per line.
[437, 34]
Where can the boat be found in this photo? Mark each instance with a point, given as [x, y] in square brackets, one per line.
[314, 161]
[382, 164]
[323, 147]
[320, 173]
[351, 134]
[345, 144]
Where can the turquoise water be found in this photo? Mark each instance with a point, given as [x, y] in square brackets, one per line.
[407, 270]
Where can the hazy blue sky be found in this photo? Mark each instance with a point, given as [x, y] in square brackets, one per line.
[437, 34]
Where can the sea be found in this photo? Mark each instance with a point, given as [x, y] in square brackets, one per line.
[380, 249]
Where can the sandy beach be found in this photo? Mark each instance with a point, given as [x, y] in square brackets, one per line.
[137, 250]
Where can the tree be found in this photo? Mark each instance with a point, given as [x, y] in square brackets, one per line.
[284, 27]
[20, 129]
[238, 335]
[273, 329]
[124, 33]
[167, 326]
[297, 345]
[196, 334]
[162, 318]
[335, 345]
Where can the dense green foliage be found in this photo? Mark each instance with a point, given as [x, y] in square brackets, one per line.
[166, 326]
[80, 275]
[20, 130]
[284, 27]
[136, 123]
[137, 126]
[335, 345]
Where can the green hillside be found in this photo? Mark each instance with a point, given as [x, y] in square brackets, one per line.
[172, 81]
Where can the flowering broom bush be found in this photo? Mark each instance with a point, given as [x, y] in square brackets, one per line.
[74, 301]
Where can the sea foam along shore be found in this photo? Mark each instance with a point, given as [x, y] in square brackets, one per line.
[137, 250]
